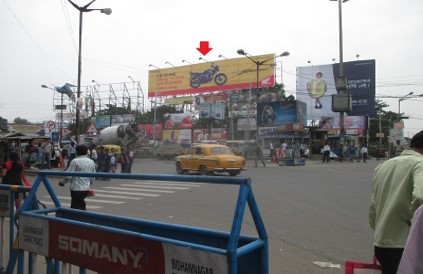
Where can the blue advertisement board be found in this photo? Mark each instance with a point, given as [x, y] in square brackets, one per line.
[102, 121]
[280, 113]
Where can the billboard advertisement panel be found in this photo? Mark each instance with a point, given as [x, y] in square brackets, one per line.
[215, 111]
[316, 85]
[203, 134]
[150, 131]
[279, 113]
[180, 136]
[228, 74]
[178, 121]
[211, 98]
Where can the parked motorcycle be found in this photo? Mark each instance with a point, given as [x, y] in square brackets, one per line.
[198, 78]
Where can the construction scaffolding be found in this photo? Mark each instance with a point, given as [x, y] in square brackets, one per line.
[97, 97]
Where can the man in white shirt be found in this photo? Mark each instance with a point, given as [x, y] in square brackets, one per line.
[364, 153]
[79, 185]
[326, 153]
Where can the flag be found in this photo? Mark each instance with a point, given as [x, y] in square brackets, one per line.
[66, 89]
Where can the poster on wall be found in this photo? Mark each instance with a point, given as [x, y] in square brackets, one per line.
[316, 85]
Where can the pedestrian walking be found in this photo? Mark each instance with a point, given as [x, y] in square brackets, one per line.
[72, 153]
[130, 157]
[123, 160]
[326, 153]
[113, 161]
[47, 152]
[79, 185]
[396, 195]
[272, 151]
[364, 153]
[258, 155]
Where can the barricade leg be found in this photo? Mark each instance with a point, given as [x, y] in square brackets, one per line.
[32, 263]
[2, 245]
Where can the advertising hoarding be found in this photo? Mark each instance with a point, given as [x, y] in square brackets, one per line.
[244, 124]
[150, 131]
[180, 136]
[228, 74]
[217, 134]
[215, 111]
[316, 85]
[279, 113]
[211, 99]
[178, 121]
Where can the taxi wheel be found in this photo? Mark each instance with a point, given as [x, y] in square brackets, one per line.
[179, 169]
[233, 173]
[203, 170]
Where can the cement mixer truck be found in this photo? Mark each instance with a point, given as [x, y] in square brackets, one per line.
[122, 135]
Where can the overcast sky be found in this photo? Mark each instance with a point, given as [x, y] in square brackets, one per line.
[39, 43]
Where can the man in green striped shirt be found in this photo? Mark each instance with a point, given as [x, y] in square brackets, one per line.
[397, 193]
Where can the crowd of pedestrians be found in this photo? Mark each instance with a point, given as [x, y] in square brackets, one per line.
[47, 155]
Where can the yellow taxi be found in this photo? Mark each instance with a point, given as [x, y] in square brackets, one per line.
[118, 149]
[208, 159]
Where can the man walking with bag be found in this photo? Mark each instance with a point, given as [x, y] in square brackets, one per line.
[79, 185]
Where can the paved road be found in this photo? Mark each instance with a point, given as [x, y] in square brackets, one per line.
[316, 212]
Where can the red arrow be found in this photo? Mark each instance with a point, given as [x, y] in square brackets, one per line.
[204, 47]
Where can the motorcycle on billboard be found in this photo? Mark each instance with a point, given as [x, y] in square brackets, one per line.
[199, 78]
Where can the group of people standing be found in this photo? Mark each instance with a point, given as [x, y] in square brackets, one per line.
[107, 160]
[44, 155]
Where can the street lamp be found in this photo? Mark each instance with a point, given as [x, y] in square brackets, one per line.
[202, 58]
[151, 65]
[169, 63]
[221, 56]
[185, 61]
[258, 64]
[81, 10]
[403, 99]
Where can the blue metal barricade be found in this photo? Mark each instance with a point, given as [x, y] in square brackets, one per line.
[116, 244]
[7, 209]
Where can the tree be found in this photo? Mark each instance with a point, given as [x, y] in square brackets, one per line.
[148, 117]
[113, 110]
[21, 121]
[384, 121]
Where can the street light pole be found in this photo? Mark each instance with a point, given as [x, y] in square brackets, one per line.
[403, 99]
[81, 10]
[341, 89]
[155, 111]
[258, 64]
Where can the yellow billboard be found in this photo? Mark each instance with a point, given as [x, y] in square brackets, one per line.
[228, 74]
